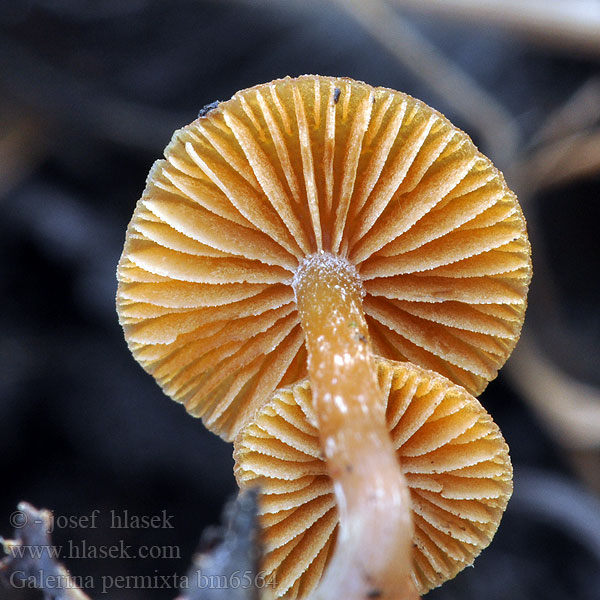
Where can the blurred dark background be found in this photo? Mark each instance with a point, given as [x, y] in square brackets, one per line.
[90, 93]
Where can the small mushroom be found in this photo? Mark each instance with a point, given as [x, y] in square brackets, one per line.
[453, 457]
[304, 227]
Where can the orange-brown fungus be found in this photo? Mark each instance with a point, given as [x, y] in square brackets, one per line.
[286, 169]
[452, 454]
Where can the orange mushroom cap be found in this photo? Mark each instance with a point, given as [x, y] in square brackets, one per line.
[453, 456]
[288, 168]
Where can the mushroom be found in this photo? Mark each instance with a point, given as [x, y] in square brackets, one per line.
[307, 226]
[453, 457]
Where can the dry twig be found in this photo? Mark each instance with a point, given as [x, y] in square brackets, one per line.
[25, 567]
[226, 570]
[574, 25]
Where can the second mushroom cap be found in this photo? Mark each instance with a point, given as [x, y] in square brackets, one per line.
[452, 454]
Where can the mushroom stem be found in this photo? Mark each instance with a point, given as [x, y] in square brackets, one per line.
[373, 556]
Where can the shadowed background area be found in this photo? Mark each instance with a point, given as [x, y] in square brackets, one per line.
[90, 94]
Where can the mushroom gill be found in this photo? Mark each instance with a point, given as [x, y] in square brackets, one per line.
[298, 166]
[453, 456]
